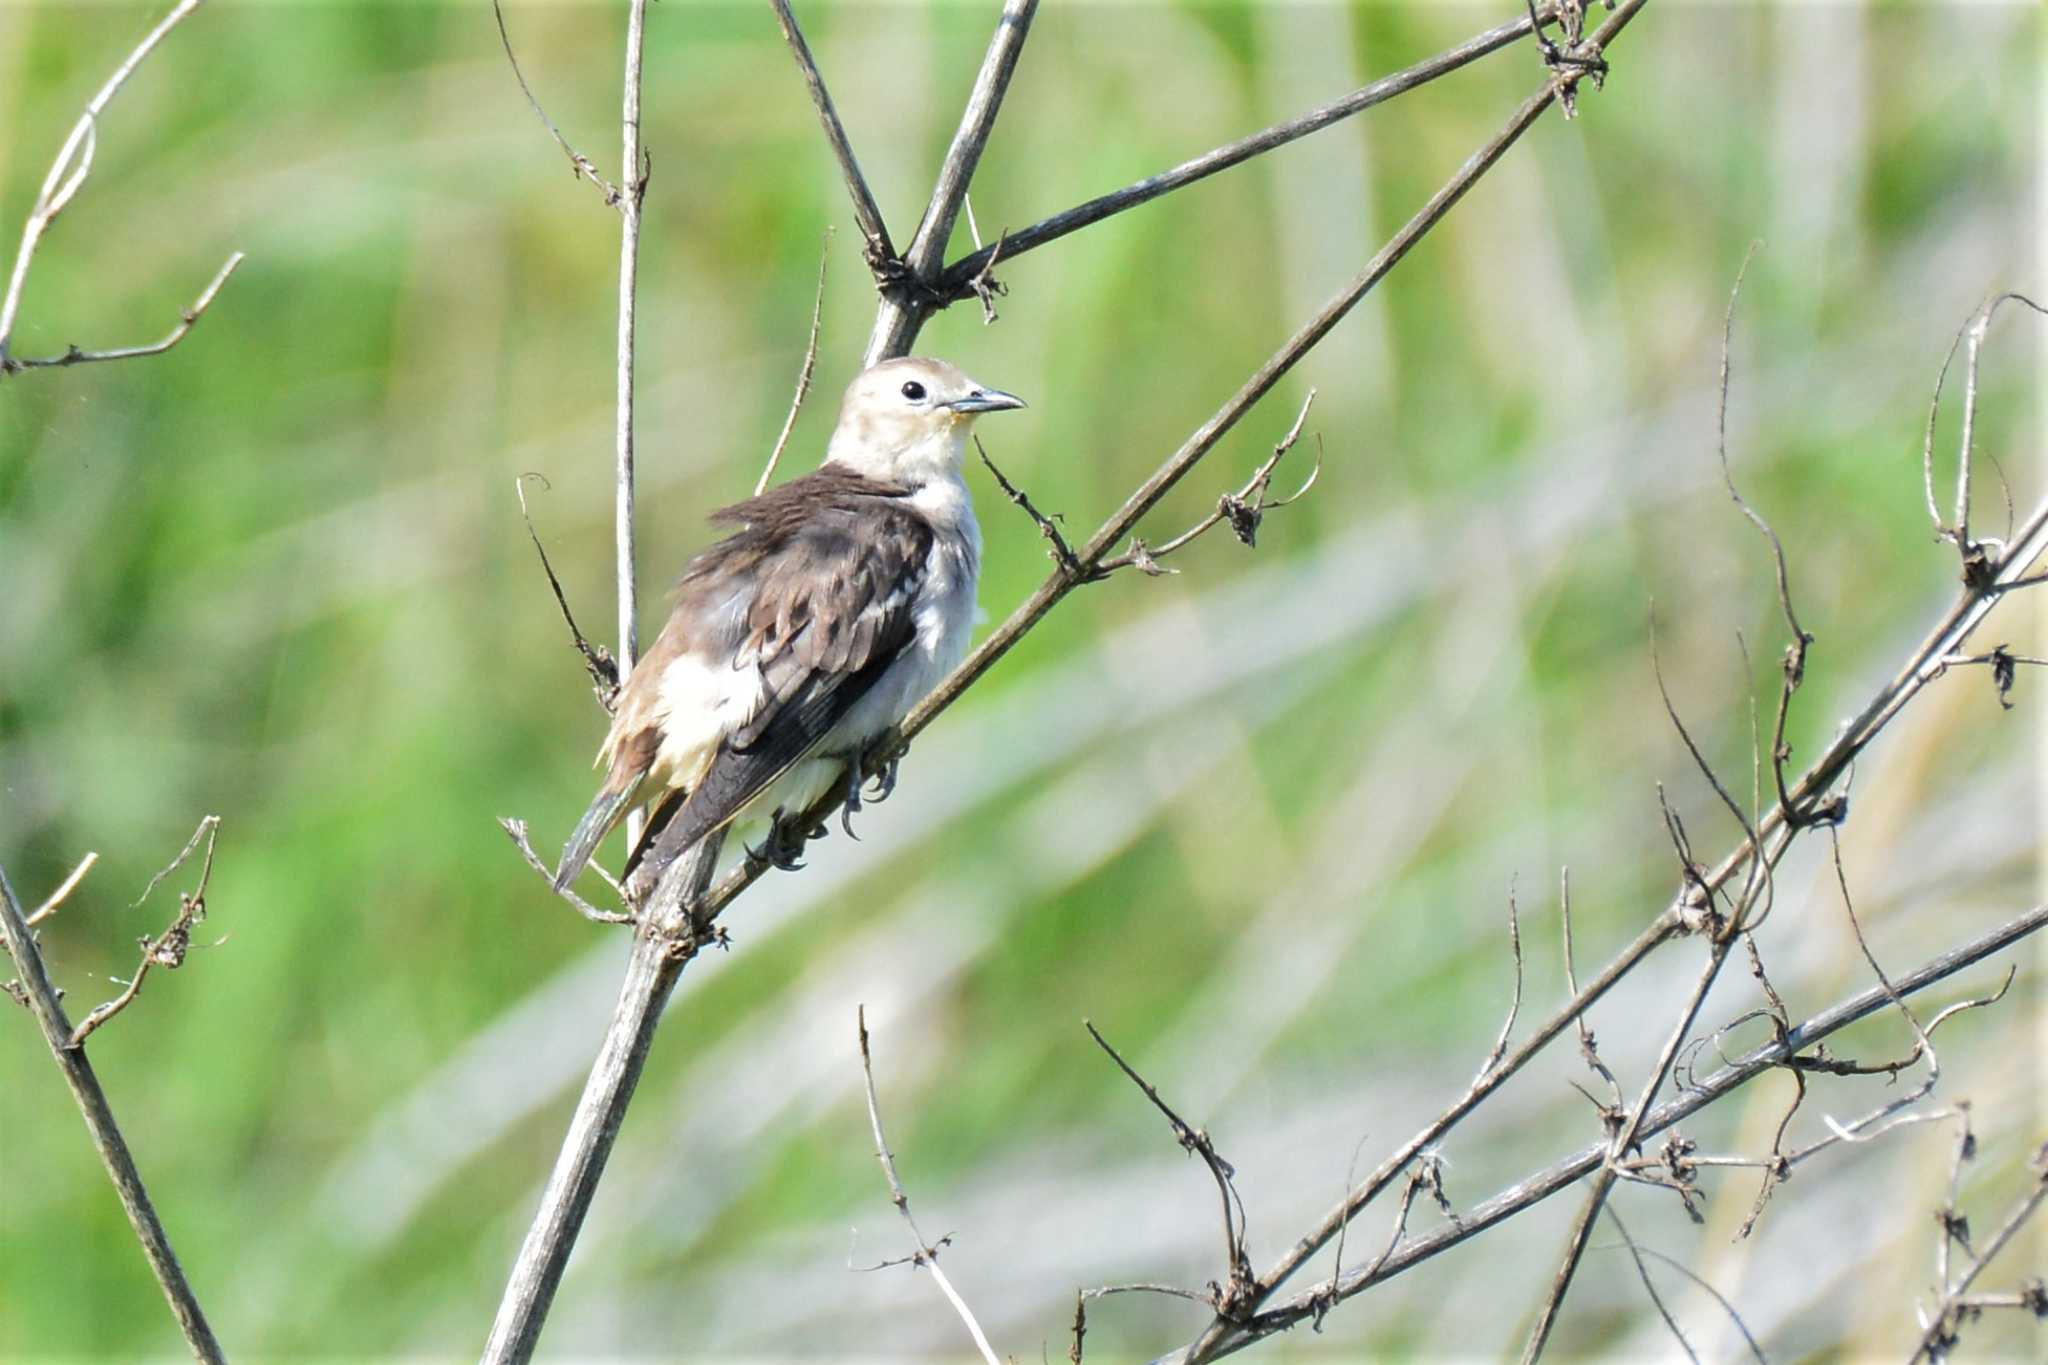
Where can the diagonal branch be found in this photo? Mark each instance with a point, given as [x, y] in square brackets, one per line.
[905, 307]
[1067, 577]
[955, 283]
[1561, 1175]
[865, 211]
[43, 999]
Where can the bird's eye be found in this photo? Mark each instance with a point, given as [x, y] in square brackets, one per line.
[914, 391]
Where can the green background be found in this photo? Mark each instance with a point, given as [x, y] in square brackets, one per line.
[1259, 820]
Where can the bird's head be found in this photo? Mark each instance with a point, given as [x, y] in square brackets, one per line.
[906, 421]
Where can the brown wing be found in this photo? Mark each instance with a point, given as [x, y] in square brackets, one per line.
[817, 595]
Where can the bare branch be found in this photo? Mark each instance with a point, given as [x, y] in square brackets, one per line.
[659, 949]
[1716, 1295]
[803, 377]
[908, 299]
[582, 165]
[74, 355]
[1941, 1334]
[1062, 554]
[55, 899]
[880, 253]
[1507, 1028]
[597, 660]
[1619, 1144]
[1643, 1273]
[1228, 1296]
[66, 176]
[1563, 1174]
[1966, 459]
[44, 1001]
[956, 281]
[663, 943]
[1244, 509]
[634, 170]
[168, 949]
[927, 1254]
[516, 831]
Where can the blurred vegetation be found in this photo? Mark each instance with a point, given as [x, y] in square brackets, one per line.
[1257, 820]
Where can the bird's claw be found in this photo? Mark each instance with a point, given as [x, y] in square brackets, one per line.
[783, 848]
[852, 802]
[885, 779]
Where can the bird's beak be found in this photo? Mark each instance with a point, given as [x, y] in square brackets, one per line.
[986, 400]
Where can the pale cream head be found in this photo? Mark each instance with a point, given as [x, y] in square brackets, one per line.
[906, 421]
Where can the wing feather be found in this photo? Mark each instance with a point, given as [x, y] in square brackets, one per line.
[831, 575]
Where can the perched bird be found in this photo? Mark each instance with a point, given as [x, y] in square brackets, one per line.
[841, 600]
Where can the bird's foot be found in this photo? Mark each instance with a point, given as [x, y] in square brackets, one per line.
[783, 849]
[885, 776]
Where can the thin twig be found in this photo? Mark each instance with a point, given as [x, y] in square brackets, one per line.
[926, 1254]
[1238, 1277]
[44, 1000]
[1563, 1174]
[66, 176]
[516, 830]
[1244, 509]
[1507, 1028]
[1062, 554]
[74, 355]
[582, 165]
[168, 949]
[956, 282]
[1643, 1273]
[909, 299]
[55, 899]
[1716, 1295]
[1619, 1145]
[803, 377]
[660, 947]
[597, 660]
[1940, 1334]
[880, 253]
[634, 171]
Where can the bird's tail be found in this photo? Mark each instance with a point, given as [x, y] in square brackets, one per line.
[597, 822]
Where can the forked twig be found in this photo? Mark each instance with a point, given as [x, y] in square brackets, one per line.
[66, 176]
[516, 831]
[168, 949]
[1244, 509]
[1228, 1297]
[44, 1000]
[926, 1255]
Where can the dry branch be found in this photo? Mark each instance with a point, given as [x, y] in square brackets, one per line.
[1811, 801]
[926, 1254]
[67, 1049]
[908, 295]
[1561, 1175]
[67, 175]
[957, 283]
[880, 252]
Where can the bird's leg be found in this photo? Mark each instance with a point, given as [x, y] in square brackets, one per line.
[784, 847]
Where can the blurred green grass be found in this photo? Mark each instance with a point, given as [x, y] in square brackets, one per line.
[279, 574]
